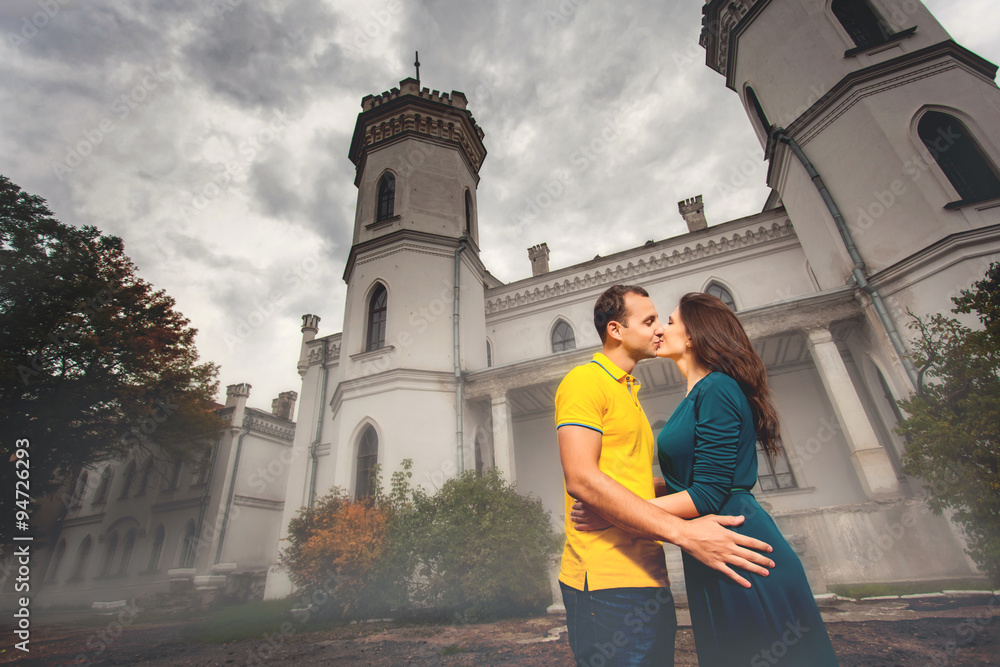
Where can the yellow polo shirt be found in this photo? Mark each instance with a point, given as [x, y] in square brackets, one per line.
[601, 396]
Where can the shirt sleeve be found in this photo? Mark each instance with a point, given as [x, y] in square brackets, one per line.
[579, 403]
[716, 436]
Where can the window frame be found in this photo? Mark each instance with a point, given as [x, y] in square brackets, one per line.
[565, 343]
[385, 197]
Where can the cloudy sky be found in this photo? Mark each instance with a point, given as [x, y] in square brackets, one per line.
[213, 137]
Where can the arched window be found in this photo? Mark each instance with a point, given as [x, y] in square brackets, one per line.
[468, 213]
[715, 289]
[175, 475]
[147, 472]
[562, 337]
[861, 23]
[376, 318]
[489, 355]
[109, 554]
[104, 486]
[386, 196]
[367, 459]
[189, 546]
[80, 490]
[956, 153]
[774, 474]
[82, 555]
[57, 558]
[758, 110]
[127, 552]
[129, 480]
[154, 554]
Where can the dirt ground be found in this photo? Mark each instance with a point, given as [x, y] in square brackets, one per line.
[957, 631]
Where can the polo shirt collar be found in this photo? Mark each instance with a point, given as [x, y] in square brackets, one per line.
[613, 370]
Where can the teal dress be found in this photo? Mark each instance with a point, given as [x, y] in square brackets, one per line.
[708, 448]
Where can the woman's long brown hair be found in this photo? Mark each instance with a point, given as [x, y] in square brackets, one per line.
[721, 344]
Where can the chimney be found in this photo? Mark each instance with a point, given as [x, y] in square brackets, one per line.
[693, 211]
[310, 327]
[539, 256]
[236, 397]
[284, 405]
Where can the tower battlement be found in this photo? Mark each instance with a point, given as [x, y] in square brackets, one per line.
[410, 110]
[411, 86]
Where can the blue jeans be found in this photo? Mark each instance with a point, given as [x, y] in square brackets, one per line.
[620, 626]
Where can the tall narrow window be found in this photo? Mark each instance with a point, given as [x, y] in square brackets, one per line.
[758, 110]
[864, 27]
[489, 355]
[127, 552]
[468, 213]
[104, 486]
[956, 153]
[154, 553]
[82, 555]
[776, 474]
[190, 544]
[717, 290]
[376, 318]
[80, 490]
[367, 459]
[109, 554]
[562, 337]
[147, 472]
[175, 475]
[56, 561]
[129, 480]
[386, 196]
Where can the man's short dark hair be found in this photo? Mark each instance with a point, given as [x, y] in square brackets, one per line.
[610, 307]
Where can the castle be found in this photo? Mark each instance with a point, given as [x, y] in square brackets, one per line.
[885, 199]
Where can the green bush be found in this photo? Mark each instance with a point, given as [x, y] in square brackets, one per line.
[476, 548]
[484, 549]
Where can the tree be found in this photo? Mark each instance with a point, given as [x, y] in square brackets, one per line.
[953, 428]
[94, 362]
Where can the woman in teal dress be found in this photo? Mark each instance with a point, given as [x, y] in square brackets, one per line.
[707, 454]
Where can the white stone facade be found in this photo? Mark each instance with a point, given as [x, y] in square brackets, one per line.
[458, 383]
[147, 524]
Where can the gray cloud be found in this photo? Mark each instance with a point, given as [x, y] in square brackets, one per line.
[599, 117]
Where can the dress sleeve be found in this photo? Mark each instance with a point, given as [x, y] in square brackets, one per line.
[716, 436]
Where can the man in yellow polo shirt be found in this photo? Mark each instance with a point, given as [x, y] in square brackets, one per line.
[619, 610]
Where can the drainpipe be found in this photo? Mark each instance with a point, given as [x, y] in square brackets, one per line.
[458, 363]
[858, 272]
[205, 494]
[232, 487]
[319, 426]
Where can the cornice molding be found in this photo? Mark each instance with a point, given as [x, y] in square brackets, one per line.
[419, 113]
[644, 266]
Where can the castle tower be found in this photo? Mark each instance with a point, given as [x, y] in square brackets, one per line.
[409, 335]
[898, 121]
